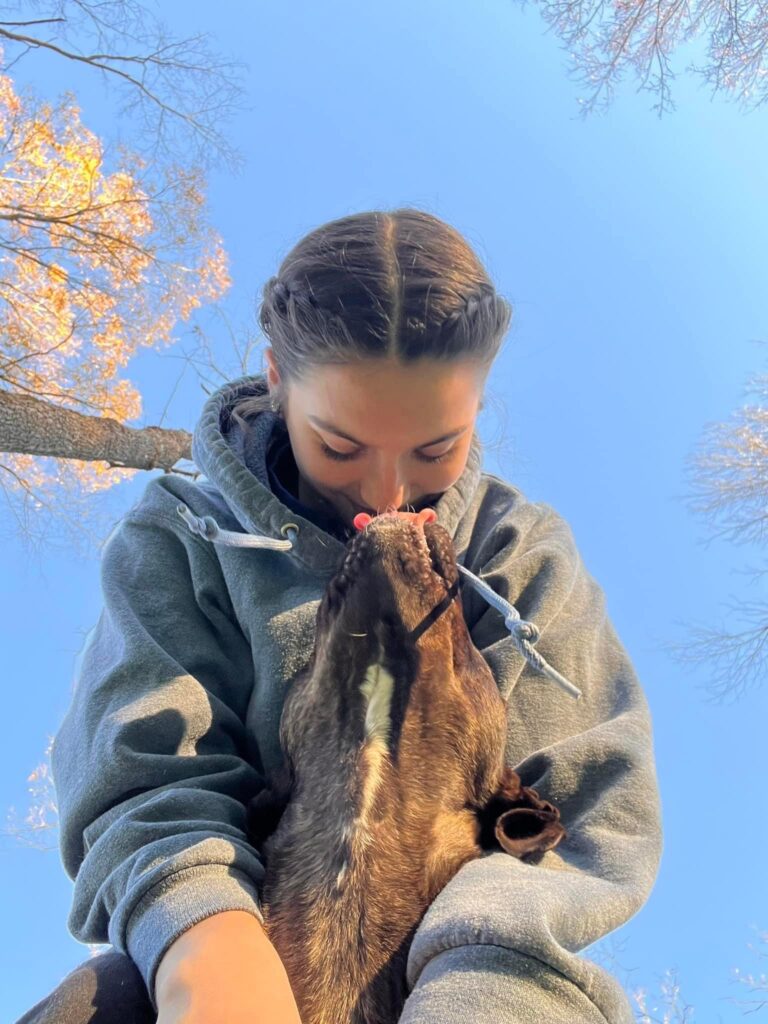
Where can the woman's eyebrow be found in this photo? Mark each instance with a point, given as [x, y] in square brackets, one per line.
[347, 437]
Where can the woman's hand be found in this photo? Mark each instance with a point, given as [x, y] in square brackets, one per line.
[224, 970]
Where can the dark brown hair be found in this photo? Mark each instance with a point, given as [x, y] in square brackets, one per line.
[398, 284]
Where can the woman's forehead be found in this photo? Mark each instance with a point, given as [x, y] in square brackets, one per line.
[437, 401]
[428, 382]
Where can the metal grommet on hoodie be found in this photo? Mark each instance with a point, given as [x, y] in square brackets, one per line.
[288, 526]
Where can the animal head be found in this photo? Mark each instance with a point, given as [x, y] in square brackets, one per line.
[391, 636]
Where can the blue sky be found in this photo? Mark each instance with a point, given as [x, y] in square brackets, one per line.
[631, 250]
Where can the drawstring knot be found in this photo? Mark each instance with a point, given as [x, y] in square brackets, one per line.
[202, 526]
[522, 632]
[525, 630]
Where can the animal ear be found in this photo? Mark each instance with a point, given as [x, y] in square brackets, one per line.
[518, 820]
[264, 811]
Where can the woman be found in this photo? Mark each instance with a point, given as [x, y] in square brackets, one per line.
[383, 327]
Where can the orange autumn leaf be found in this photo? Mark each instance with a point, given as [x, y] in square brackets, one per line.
[96, 261]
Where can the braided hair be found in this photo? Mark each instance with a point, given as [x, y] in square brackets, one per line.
[398, 284]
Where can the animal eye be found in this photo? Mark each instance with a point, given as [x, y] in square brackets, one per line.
[331, 453]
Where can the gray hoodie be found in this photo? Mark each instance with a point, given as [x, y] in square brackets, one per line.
[210, 597]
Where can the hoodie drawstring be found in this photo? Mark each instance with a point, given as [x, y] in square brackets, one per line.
[207, 528]
[523, 633]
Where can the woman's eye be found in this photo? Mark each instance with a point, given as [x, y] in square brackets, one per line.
[331, 453]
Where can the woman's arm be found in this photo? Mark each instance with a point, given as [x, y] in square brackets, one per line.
[223, 970]
[150, 761]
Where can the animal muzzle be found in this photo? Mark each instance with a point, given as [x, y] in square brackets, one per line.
[396, 569]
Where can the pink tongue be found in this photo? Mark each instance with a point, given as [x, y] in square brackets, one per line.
[427, 515]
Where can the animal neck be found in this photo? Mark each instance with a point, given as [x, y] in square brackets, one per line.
[355, 869]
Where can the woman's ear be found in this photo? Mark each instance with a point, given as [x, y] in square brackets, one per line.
[273, 374]
[519, 821]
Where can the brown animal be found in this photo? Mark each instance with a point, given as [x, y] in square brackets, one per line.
[394, 776]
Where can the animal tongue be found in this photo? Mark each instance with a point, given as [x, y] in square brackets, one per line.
[427, 515]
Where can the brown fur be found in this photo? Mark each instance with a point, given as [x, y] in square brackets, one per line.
[361, 831]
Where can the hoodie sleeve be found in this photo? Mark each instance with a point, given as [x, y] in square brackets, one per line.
[150, 763]
[500, 941]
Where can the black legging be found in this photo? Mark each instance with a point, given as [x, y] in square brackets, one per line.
[106, 989]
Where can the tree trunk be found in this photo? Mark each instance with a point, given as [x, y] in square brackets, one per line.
[30, 426]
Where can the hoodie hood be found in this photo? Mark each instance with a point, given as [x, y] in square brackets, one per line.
[235, 463]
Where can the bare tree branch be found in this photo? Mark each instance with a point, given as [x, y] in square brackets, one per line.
[29, 426]
[180, 89]
[728, 479]
[606, 39]
[737, 660]
[758, 984]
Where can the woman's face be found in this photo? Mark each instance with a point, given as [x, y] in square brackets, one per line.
[375, 435]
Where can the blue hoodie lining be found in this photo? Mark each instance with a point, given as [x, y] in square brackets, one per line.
[283, 479]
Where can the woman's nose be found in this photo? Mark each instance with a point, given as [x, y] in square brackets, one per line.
[386, 495]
